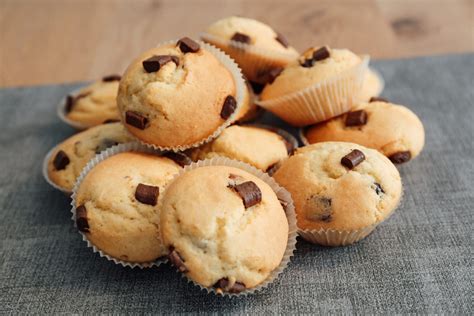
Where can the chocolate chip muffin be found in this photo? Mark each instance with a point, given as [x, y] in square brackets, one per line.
[372, 86]
[255, 46]
[179, 94]
[93, 105]
[116, 205]
[341, 190]
[321, 84]
[259, 147]
[69, 158]
[392, 129]
[224, 228]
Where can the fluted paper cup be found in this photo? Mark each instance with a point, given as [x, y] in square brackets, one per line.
[62, 114]
[320, 101]
[112, 151]
[284, 197]
[253, 60]
[45, 172]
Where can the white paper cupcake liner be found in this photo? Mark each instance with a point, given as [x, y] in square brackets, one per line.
[61, 111]
[283, 195]
[320, 101]
[112, 151]
[234, 69]
[250, 58]
[45, 172]
[381, 80]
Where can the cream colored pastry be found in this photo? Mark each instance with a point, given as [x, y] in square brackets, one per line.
[181, 103]
[391, 129]
[214, 238]
[296, 77]
[329, 195]
[372, 86]
[95, 104]
[78, 149]
[110, 213]
[256, 146]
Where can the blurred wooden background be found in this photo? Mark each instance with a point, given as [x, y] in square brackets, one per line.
[52, 41]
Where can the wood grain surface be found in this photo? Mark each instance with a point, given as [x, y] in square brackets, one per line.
[53, 41]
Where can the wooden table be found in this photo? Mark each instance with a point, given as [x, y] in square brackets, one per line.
[52, 41]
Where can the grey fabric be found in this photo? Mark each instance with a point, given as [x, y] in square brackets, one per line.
[420, 260]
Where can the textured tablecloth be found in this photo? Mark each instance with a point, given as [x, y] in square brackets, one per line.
[420, 260]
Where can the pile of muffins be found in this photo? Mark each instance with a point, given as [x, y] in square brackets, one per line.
[169, 169]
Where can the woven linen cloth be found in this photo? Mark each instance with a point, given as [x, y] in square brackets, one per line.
[418, 261]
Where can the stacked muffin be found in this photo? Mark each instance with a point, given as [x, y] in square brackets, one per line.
[179, 178]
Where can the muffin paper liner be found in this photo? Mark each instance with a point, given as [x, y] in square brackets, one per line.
[287, 136]
[381, 84]
[112, 151]
[320, 101]
[250, 58]
[45, 172]
[234, 69]
[283, 195]
[61, 111]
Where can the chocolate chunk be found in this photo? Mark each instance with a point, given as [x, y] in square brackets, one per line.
[61, 160]
[307, 63]
[353, 159]
[356, 118]
[223, 284]
[187, 45]
[108, 121]
[269, 169]
[400, 157]
[241, 37]
[180, 158]
[112, 78]
[270, 75]
[249, 192]
[147, 194]
[319, 208]
[256, 87]
[177, 261]
[321, 54]
[377, 99]
[378, 188]
[69, 103]
[104, 144]
[282, 40]
[81, 219]
[154, 63]
[229, 107]
[136, 120]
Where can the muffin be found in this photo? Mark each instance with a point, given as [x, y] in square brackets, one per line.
[224, 228]
[93, 105]
[256, 146]
[341, 191]
[255, 46]
[392, 129]
[179, 95]
[66, 161]
[322, 84]
[372, 86]
[115, 205]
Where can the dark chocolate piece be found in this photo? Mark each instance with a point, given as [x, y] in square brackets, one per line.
[307, 63]
[353, 159]
[81, 219]
[69, 103]
[241, 37]
[321, 54]
[135, 119]
[177, 261]
[108, 121]
[180, 158]
[377, 99]
[111, 78]
[223, 284]
[61, 160]
[378, 188]
[319, 208]
[147, 194]
[249, 192]
[400, 157]
[154, 63]
[187, 45]
[229, 107]
[282, 40]
[356, 118]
